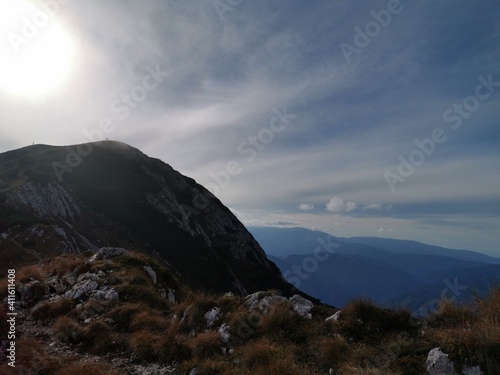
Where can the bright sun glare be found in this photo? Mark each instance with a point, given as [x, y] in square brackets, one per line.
[36, 51]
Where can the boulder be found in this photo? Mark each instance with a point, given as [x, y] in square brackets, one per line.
[57, 285]
[106, 293]
[31, 292]
[81, 288]
[438, 363]
[302, 306]
[263, 302]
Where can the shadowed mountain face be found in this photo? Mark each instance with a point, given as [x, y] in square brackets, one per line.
[73, 199]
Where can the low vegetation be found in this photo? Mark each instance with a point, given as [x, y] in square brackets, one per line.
[143, 326]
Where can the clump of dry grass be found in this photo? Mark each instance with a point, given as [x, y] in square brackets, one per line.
[67, 330]
[330, 351]
[285, 324]
[53, 309]
[149, 319]
[31, 355]
[206, 345]
[165, 348]
[451, 315]
[192, 311]
[86, 369]
[470, 334]
[363, 321]
[64, 264]
[259, 353]
[29, 273]
[124, 314]
[135, 286]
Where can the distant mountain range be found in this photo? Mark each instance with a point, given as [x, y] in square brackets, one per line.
[57, 200]
[390, 272]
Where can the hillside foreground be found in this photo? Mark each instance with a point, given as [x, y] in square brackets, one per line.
[122, 312]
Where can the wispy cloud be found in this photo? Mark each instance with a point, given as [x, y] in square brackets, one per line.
[352, 120]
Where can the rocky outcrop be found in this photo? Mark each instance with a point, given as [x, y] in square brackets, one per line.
[438, 363]
[265, 301]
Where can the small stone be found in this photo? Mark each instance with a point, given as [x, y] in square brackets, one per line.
[334, 317]
[107, 252]
[151, 273]
[211, 316]
[302, 306]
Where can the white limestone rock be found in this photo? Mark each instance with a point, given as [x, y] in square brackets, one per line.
[438, 363]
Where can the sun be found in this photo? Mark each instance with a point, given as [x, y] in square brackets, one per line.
[37, 53]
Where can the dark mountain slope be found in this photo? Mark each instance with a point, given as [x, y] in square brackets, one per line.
[52, 198]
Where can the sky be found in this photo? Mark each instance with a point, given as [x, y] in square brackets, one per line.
[358, 118]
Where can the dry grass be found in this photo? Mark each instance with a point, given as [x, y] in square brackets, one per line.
[28, 273]
[31, 356]
[50, 310]
[149, 319]
[281, 367]
[363, 321]
[86, 369]
[135, 286]
[330, 351]
[452, 315]
[123, 315]
[192, 311]
[206, 345]
[259, 353]
[67, 330]
[282, 323]
[366, 340]
[165, 348]
[64, 264]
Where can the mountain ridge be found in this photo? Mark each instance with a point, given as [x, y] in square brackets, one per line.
[411, 276]
[115, 195]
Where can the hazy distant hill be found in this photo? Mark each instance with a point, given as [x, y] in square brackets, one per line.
[391, 272]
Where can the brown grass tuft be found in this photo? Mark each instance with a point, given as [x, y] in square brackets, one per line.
[28, 273]
[67, 330]
[363, 321]
[259, 353]
[64, 264]
[149, 319]
[283, 323]
[206, 345]
[86, 369]
[50, 310]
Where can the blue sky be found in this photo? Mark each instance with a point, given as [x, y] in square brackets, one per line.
[302, 110]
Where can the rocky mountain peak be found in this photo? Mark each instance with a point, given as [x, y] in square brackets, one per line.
[83, 197]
